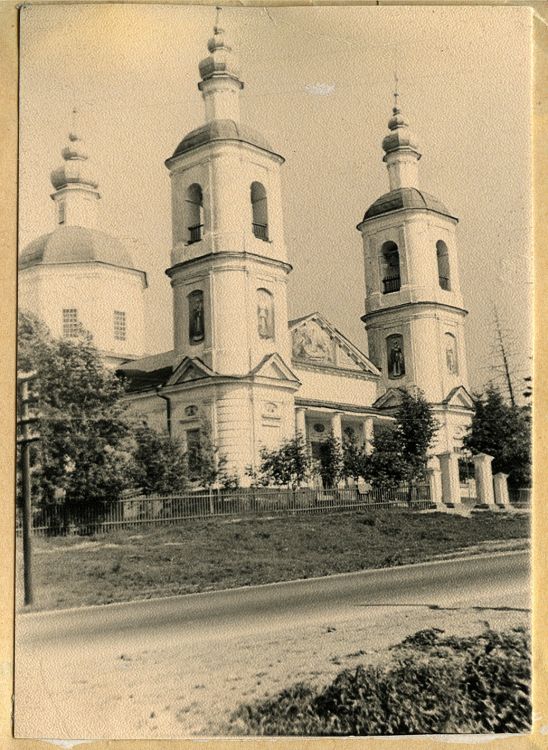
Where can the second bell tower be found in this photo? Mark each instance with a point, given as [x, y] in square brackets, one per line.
[414, 314]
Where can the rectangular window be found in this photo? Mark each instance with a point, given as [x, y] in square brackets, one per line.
[120, 330]
[70, 322]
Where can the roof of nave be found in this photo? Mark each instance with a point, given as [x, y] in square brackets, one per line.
[150, 372]
[406, 197]
[74, 244]
[221, 130]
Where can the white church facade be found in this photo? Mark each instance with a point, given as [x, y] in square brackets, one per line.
[238, 363]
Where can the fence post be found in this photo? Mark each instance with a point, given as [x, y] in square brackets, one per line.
[450, 483]
[484, 480]
[500, 485]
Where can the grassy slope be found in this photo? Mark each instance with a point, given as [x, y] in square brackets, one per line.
[221, 553]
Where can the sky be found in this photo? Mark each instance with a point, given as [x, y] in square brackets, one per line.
[318, 85]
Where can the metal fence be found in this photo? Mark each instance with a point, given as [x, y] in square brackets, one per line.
[160, 510]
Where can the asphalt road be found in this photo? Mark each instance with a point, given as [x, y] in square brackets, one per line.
[96, 671]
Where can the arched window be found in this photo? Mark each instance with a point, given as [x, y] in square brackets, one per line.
[265, 314]
[194, 213]
[395, 357]
[259, 209]
[444, 276]
[196, 326]
[391, 280]
[451, 358]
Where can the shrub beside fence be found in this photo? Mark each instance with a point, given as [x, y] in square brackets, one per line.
[254, 501]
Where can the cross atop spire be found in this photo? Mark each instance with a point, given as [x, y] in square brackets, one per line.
[396, 89]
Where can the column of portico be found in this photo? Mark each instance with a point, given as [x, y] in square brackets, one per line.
[484, 480]
[450, 482]
[368, 435]
[300, 421]
[336, 425]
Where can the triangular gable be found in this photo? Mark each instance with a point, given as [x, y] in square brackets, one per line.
[190, 369]
[389, 400]
[459, 396]
[272, 366]
[316, 341]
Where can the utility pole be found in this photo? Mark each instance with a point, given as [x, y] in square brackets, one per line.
[24, 422]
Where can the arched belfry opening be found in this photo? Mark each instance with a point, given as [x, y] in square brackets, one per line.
[391, 279]
[444, 274]
[259, 208]
[194, 213]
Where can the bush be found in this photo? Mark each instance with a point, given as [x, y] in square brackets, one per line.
[432, 685]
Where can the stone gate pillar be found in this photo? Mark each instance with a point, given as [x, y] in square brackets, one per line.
[433, 475]
[500, 486]
[484, 480]
[450, 482]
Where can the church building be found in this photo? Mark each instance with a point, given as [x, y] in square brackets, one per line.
[238, 364]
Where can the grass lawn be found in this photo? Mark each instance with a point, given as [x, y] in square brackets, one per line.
[203, 555]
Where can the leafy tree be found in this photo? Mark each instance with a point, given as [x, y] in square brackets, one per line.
[160, 462]
[290, 465]
[504, 432]
[206, 466]
[85, 451]
[400, 452]
[331, 464]
[354, 458]
[386, 466]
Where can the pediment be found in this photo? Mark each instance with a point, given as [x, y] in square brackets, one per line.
[460, 397]
[274, 368]
[316, 342]
[189, 370]
[389, 400]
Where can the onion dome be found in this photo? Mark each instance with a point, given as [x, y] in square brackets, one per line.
[76, 168]
[400, 136]
[76, 244]
[221, 60]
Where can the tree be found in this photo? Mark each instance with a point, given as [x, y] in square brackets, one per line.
[160, 462]
[331, 464]
[206, 466]
[85, 451]
[354, 458]
[504, 432]
[400, 452]
[290, 465]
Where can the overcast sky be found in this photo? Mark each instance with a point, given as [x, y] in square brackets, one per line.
[318, 85]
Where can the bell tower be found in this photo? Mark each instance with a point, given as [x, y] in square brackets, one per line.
[414, 314]
[228, 261]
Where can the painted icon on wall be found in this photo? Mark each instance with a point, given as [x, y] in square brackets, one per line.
[196, 326]
[451, 353]
[396, 360]
[265, 314]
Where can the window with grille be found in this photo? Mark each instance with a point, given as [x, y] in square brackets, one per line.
[120, 329]
[70, 322]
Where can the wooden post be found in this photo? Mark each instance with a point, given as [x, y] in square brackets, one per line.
[25, 440]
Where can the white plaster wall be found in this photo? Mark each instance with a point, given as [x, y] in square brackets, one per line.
[423, 331]
[335, 389]
[96, 291]
[232, 344]
[225, 171]
[80, 206]
[416, 234]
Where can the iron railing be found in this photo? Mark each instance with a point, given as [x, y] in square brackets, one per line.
[391, 284]
[164, 510]
[260, 231]
[195, 233]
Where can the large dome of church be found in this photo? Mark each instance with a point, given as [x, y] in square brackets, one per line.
[221, 130]
[407, 197]
[74, 244]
